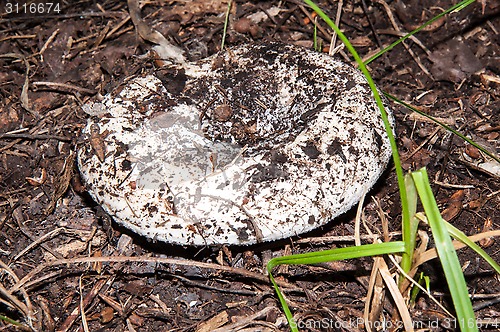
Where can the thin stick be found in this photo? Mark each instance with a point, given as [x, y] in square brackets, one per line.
[147, 259]
[333, 41]
[47, 43]
[39, 241]
[65, 86]
[226, 22]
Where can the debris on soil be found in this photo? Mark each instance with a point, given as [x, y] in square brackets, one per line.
[454, 61]
[59, 253]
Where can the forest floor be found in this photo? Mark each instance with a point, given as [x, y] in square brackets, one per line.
[51, 233]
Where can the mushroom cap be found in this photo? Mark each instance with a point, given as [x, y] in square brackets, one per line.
[257, 143]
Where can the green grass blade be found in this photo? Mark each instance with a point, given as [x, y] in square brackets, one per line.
[422, 280]
[315, 36]
[10, 321]
[412, 199]
[448, 128]
[395, 154]
[447, 254]
[226, 23]
[339, 254]
[456, 7]
[328, 256]
[284, 305]
[459, 235]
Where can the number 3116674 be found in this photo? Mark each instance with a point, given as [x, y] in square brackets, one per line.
[32, 8]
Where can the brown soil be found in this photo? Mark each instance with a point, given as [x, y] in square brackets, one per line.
[47, 220]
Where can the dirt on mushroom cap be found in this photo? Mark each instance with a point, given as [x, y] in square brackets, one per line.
[259, 143]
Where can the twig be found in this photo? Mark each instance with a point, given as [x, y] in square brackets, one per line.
[237, 326]
[431, 136]
[117, 27]
[13, 301]
[342, 238]
[62, 183]
[219, 289]
[24, 92]
[27, 308]
[47, 43]
[84, 302]
[65, 86]
[146, 259]
[320, 28]
[36, 137]
[70, 320]
[396, 295]
[39, 241]
[357, 223]
[413, 38]
[402, 34]
[17, 37]
[172, 52]
[375, 35]
[410, 279]
[453, 186]
[333, 41]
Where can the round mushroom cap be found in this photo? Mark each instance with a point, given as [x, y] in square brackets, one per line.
[257, 143]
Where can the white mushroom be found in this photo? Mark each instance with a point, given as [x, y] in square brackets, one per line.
[259, 143]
